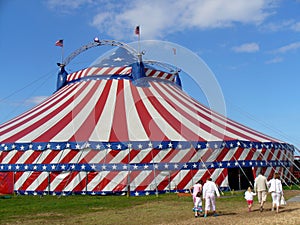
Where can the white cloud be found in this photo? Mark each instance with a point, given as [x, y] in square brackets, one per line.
[287, 48]
[35, 100]
[67, 4]
[274, 60]
[296, 27]
[248, 48]
[158, 18]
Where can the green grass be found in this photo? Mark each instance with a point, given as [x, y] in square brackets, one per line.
[79, 209]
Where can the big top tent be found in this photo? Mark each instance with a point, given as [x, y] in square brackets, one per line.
[124, 125]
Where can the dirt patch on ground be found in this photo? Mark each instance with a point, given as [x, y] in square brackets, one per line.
[288, 215]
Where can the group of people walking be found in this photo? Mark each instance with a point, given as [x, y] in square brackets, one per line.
[261, 188]
[208, 191]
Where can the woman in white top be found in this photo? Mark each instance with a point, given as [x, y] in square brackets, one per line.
[275, 188]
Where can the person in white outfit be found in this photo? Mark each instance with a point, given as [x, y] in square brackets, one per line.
[275, 188]
[249, 198]
[196, 192]
[209, 191]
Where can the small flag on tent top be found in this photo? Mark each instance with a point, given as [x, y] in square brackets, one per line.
[59, 43]
[174, 51]
[137, 30]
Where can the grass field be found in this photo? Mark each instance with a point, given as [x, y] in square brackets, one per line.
[162, 209]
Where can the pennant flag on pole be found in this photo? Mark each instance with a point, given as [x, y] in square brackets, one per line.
[137, 30]
[59, 43]
[174, 51]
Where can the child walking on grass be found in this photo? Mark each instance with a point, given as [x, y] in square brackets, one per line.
[249, 198]
[196, 192]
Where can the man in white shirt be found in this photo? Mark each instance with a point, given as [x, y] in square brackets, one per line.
[261, 187]
[209, 191]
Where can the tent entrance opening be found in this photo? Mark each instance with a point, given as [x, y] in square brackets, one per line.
[240, 178]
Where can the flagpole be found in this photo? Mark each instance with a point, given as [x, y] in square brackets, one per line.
[138, 32]
[62, 54]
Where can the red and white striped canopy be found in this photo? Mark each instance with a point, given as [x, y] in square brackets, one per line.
[104, 109]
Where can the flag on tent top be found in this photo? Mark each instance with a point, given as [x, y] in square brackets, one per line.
[137, 30]
[59, 43]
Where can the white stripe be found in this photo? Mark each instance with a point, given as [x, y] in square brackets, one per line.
[75, 181]
[25, 156]
[26, 138]
[216, 117]
[126, 70]
[134, 123]
[37, 181]
[94, 183]
[79, 156]
[192, 126]
[139, 180]
[115, 181]
[60, 156]
[36, 111]
[103, 128]
[9, 156]
[185, 122]
[56, 119]
[99, 156]
[58, 179]
[92, 71]
[70, 129]
[156, 117]
[22, 179]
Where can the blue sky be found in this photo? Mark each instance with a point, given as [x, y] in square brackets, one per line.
[251, 47]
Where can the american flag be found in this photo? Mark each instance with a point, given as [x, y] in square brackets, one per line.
[137, 30]
[59, 43]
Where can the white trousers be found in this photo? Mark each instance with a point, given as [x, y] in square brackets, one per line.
[276, 198]
[210, 202]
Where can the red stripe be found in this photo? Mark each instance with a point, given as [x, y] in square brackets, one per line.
[61, 186]
[110, 155]
[88, 157]
[122, 184]
[128, 158]
[81, 186]
[88, 126]
[119, 130]
[221, 177]
[70, 156]
[150, 156]
[96, 71]
[108, 70]
[43, 185]
[49, 158]
[186, 179]
[143, 184]
[107, 179]
[3, 155]
[15, 157]
[207, 128]
[90, 177]
[237, 154]
[33, 156]
[221, 117]
[152, 130]
[171, 120]
[64, 121]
